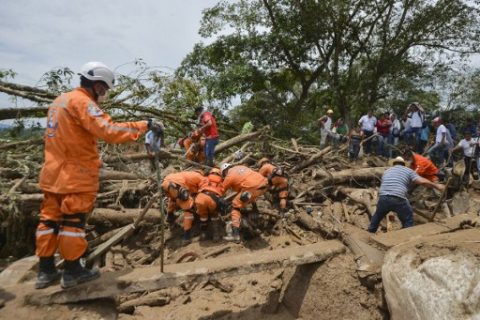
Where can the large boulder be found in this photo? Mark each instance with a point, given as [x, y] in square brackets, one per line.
[434, 278]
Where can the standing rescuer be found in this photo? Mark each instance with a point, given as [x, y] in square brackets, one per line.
[249, 185]
[277, 180]
[180, 189]
[69, 178]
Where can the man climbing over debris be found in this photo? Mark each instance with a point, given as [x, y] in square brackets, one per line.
[194, 145]
[69, 178]
[180, 189]
[325, 123]
[208, 127]
[393, 194]
[209, 202]
[421, 165]
[277, 181]
[443, 142]
[468, 145]
[249, 185]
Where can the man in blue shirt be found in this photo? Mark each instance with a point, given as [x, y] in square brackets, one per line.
[393, 194]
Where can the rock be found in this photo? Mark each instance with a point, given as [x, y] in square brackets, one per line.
[438, 280]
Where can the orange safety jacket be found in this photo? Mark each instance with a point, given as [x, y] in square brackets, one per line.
[243, 178]
[276, 179]
[74, 123]
[424, 167]
[212, 183]
[187, 179]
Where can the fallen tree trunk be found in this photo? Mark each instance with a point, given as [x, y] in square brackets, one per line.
[326, 229]
[311, 160]
[348, 193]
[117, 175]
[239, 139]
[16, 144]
[348, 175]
[104, 216]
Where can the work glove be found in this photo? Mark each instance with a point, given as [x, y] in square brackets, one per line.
[155, 126]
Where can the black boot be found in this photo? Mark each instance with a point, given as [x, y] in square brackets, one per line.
[47, 273]
[204, 231]
[216, 231]
[235, 237]
[187, 237]
[75, 274]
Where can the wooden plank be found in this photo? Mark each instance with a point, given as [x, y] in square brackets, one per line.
[150, 278]
[391, 239]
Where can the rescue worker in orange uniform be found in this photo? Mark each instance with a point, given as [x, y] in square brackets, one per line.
[249, 185]
[69, 178]
[194, 144]
[277, 180]
[421, 165]
[180, 188]
[208, 203]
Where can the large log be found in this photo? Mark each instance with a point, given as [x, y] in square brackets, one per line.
[311, 160]
[150, 279]
[120, 218]
[349, 175]
[238, 139]
[308, 222]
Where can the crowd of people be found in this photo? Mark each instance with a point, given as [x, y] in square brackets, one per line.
[388, 135]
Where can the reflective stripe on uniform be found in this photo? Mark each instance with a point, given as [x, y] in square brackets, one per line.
[72, 234]
[203, 219]
[116, 128]
[188, 217]
[40, 233]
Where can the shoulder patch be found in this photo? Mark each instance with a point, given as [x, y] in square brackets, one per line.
[94, 110]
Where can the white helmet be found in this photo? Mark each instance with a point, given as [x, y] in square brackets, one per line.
[97, 71]
[224, 166]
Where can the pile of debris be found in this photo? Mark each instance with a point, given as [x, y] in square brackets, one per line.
[289, 265]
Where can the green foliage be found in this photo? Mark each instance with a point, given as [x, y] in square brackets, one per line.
[287, 61]
[57, 80]
[7, 74]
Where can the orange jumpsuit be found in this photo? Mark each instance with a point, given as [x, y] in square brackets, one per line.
[278, 183]
[205, 203]
[69, 178]
[172, 184]
[194, 149]
[424, 167]
[242, 179]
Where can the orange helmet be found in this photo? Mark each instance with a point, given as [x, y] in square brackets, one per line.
[262, 161]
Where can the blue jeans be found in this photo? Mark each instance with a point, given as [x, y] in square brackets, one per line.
[438, 153]
[368, 144]
[383, 148]
[391, 203]
[209, 150]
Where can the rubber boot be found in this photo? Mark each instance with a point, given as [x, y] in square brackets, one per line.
[75, 274]
[47, 273]
[171, 219]
[187, 237]
[216, 230]
[235, 236]
[204, 231]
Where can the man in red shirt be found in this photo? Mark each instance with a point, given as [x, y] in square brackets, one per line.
[208, 126]
[383, 130]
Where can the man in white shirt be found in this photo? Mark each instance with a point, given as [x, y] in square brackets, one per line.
[416, 116]
[367, 123]
[468, 145]
[443, 142]
[325, 123]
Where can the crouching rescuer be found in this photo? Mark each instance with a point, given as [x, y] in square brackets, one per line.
[180, 188]
[209, 202]
[249, 185]
[277, 180]
[69, 178]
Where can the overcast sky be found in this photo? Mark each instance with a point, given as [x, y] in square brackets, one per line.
[37, 36]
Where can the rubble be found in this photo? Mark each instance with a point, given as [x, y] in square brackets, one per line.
[330, 198]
